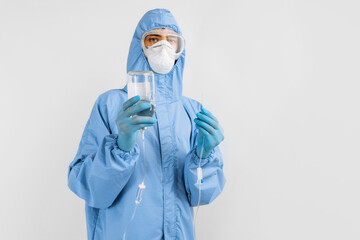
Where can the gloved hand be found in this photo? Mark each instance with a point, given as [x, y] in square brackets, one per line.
[127, 125]
[210, 132]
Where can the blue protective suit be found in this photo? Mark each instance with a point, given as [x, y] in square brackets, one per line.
[107, 178]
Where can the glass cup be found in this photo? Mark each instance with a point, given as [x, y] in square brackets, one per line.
[142, 83]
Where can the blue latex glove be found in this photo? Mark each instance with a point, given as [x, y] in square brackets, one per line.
[127, 125]
[210, 132]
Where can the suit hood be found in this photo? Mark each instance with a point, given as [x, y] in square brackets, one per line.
[168, 86]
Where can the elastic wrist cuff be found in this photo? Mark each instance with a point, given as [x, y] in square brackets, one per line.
[121, 153]
[196, 158]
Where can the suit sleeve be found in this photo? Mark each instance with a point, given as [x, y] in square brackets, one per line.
[100, 169]
[213, 176]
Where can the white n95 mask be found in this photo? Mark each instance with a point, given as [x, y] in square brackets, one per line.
[161, 56]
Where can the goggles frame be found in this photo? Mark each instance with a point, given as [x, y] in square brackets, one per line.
[181, 46]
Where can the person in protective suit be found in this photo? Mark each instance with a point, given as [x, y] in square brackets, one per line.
[108, 165]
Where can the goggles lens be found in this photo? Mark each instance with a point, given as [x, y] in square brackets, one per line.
[153, 36]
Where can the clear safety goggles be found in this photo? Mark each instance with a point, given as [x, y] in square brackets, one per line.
[174, 39]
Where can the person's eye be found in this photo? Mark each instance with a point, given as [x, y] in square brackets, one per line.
[153, 39]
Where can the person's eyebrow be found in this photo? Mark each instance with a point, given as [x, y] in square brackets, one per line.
[154, 35]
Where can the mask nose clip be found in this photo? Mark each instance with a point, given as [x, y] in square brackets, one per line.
[162, 43]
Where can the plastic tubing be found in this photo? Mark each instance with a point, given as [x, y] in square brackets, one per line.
[141, 186]
[199, 182]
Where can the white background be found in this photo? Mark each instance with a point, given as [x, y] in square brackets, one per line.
[281, 76]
